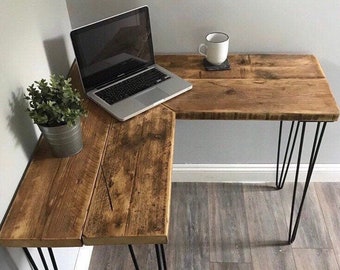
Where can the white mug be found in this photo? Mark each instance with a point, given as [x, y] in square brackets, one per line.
[216, 48]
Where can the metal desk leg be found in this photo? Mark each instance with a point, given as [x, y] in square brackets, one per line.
[280, 180]
[42, 257]
[161, 262]
[319, 131]
[163, 257]
[54, 263]
[133, 256]
[30, 259]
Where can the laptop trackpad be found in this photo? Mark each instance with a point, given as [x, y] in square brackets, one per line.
[152, 96]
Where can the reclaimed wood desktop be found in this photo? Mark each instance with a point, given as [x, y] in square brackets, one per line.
[118, 189]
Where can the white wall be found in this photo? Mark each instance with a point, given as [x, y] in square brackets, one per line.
[276, 26]
[34, 43]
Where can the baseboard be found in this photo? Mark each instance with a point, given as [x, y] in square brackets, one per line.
[245, 173]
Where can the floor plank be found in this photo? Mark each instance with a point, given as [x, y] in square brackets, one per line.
[230, 266]
[312, 231]
[315, 259]
[188, 247]
[329, 199]
[109, 257]
[213, 224]
[272, 257]
[229, 240]
[265, 215]
[117, 257]
[267, 228]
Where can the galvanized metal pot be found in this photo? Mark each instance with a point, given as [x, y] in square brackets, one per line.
[64, 140]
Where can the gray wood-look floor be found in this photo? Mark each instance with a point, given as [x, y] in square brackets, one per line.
[240, 226]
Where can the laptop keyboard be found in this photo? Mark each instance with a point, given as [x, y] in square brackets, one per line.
[132, 86]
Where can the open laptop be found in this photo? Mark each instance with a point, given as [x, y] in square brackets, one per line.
[117, 65]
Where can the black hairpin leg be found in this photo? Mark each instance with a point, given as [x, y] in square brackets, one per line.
[30, 259]
[133, 256]
[163, 257]
[280, 180]
[42, 257]
[161, 262]
[315, 150]
[54, 263]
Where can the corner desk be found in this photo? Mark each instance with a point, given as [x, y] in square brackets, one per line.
[117, 190]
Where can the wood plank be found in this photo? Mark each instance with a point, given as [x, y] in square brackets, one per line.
[268, 234]
[304, 100]
[51, 204]
[315, 259]
[230, 266]
[117, 257]
[229, 240]
[53, 199]
[244, 66]
[188, 247]
[131, 202]
[265, 215]
[329, 199]
[259, 87]
[110, 257]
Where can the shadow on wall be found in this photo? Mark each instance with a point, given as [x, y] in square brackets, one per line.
[19, 121]
[6, 260]
[21, 124]
[56, 54]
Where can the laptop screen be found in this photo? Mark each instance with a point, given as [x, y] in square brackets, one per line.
[113, 48]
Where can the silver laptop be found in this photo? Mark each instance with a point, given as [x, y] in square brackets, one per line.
[117, 65]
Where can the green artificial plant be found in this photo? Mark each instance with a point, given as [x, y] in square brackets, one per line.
[54, 103]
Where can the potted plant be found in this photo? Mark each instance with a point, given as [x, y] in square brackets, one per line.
[56, 108]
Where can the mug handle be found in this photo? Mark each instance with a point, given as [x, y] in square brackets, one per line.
[205, 47]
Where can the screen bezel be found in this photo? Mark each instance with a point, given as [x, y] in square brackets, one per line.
[91, 82]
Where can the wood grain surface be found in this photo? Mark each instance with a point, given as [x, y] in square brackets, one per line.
[131, 201]
[258, 87]
[117, 189]
[230, 242]
[189, 242]
[51, 204]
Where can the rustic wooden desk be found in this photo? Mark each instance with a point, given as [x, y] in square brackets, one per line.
[117, 190]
